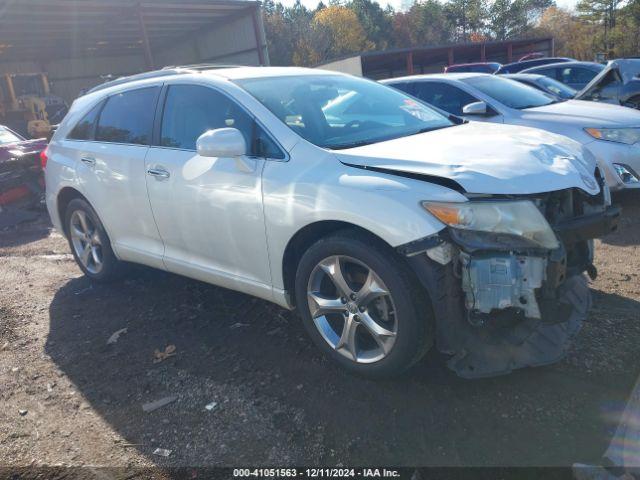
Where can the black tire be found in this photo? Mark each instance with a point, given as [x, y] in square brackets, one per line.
[413, 313]
[111, 268]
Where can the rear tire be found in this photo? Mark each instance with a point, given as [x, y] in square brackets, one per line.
[378, 322]
[89, 242]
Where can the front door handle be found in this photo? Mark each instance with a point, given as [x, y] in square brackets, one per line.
[89, 161]
[159, 173]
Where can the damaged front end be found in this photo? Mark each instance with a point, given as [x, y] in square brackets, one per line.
[509, 296]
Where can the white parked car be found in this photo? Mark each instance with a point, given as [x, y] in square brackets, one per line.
[389, 232]
[611, 132]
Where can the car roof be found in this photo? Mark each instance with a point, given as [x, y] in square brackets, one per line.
[536, 60]
[472, 64]
[576, 63]
[524, 76]
[229, 72]
[438, 76]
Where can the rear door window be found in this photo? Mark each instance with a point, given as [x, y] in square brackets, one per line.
[191, 110]
[127, 117]
[447, 97]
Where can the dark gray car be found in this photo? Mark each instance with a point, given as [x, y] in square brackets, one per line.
[574, 74]
[618, 83]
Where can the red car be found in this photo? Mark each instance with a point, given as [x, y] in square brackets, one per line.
[20, 167]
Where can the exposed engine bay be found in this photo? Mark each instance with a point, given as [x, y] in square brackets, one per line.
[502, 304]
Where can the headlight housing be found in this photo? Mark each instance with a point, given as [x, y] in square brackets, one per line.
[626, 174]
[628, 136]
[519, 218]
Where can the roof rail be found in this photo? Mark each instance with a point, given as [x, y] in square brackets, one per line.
[197, 67]
[165, 72]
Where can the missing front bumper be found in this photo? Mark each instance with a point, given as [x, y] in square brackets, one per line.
[498, 308]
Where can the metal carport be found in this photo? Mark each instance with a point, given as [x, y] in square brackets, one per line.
[76, 42]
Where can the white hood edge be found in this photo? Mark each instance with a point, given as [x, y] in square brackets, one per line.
[485, 158]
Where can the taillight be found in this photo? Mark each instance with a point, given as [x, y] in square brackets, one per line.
[43, 158]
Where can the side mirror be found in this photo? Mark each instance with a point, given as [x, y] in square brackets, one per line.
[221, 142]
[475, 108]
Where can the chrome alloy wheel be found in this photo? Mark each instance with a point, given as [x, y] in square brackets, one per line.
[86, 241]
[352, 309]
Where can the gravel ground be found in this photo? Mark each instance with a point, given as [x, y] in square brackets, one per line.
[70, 398]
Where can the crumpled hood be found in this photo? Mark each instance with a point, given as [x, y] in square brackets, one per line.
[485, 158]
[585, 114]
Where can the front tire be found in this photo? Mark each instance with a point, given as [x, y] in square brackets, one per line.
[89, 242]
[362, 305]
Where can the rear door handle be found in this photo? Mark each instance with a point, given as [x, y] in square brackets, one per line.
[89, 161]
[159, 173]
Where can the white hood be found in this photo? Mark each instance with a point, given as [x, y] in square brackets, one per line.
[485, 158]
[584, 114]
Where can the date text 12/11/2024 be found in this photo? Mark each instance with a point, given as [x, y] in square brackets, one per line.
[316, 473]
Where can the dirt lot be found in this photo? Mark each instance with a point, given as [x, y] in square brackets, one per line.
[69, 398]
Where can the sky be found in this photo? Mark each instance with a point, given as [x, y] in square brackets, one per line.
[397, 4]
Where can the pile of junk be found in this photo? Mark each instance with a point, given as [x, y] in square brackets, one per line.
[27, 111]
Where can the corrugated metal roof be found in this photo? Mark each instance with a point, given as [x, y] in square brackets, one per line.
[40, 29]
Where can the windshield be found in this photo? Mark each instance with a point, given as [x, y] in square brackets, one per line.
[333, 111]
[557, 88]
[7, 136]
[509, 92]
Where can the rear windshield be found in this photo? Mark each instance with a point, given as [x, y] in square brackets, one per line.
[509, 92]
[557, 88]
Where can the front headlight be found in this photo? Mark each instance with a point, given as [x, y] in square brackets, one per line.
[628, 136]
[625, 173]
[519, 218]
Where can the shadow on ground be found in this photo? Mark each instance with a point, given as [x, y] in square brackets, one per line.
[279, 401]
[629, 228]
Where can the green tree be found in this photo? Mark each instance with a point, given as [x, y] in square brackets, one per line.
[514, 18]
[467, 17]
[376, 22]
[344, 28]
[602, 13]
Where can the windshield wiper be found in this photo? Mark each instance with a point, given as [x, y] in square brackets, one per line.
[343, 146]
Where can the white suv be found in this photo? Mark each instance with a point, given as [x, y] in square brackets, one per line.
[389, 225]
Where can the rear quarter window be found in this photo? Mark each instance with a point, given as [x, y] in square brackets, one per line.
[85, 127]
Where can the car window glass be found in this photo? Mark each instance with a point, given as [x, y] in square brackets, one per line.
[84, 128]
[7, 136]
[547, 72]
[611, 79]
[509, 92]
[447, 97]
[609, 83]
[191, 110]
[127, 117]
[577, 75]
[557, 88]
[338, 112]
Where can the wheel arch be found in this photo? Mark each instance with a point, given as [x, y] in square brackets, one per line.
[64, 197]
[307, 236]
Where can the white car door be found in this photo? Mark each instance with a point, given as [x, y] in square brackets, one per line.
[110, 146]
[208, 210]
